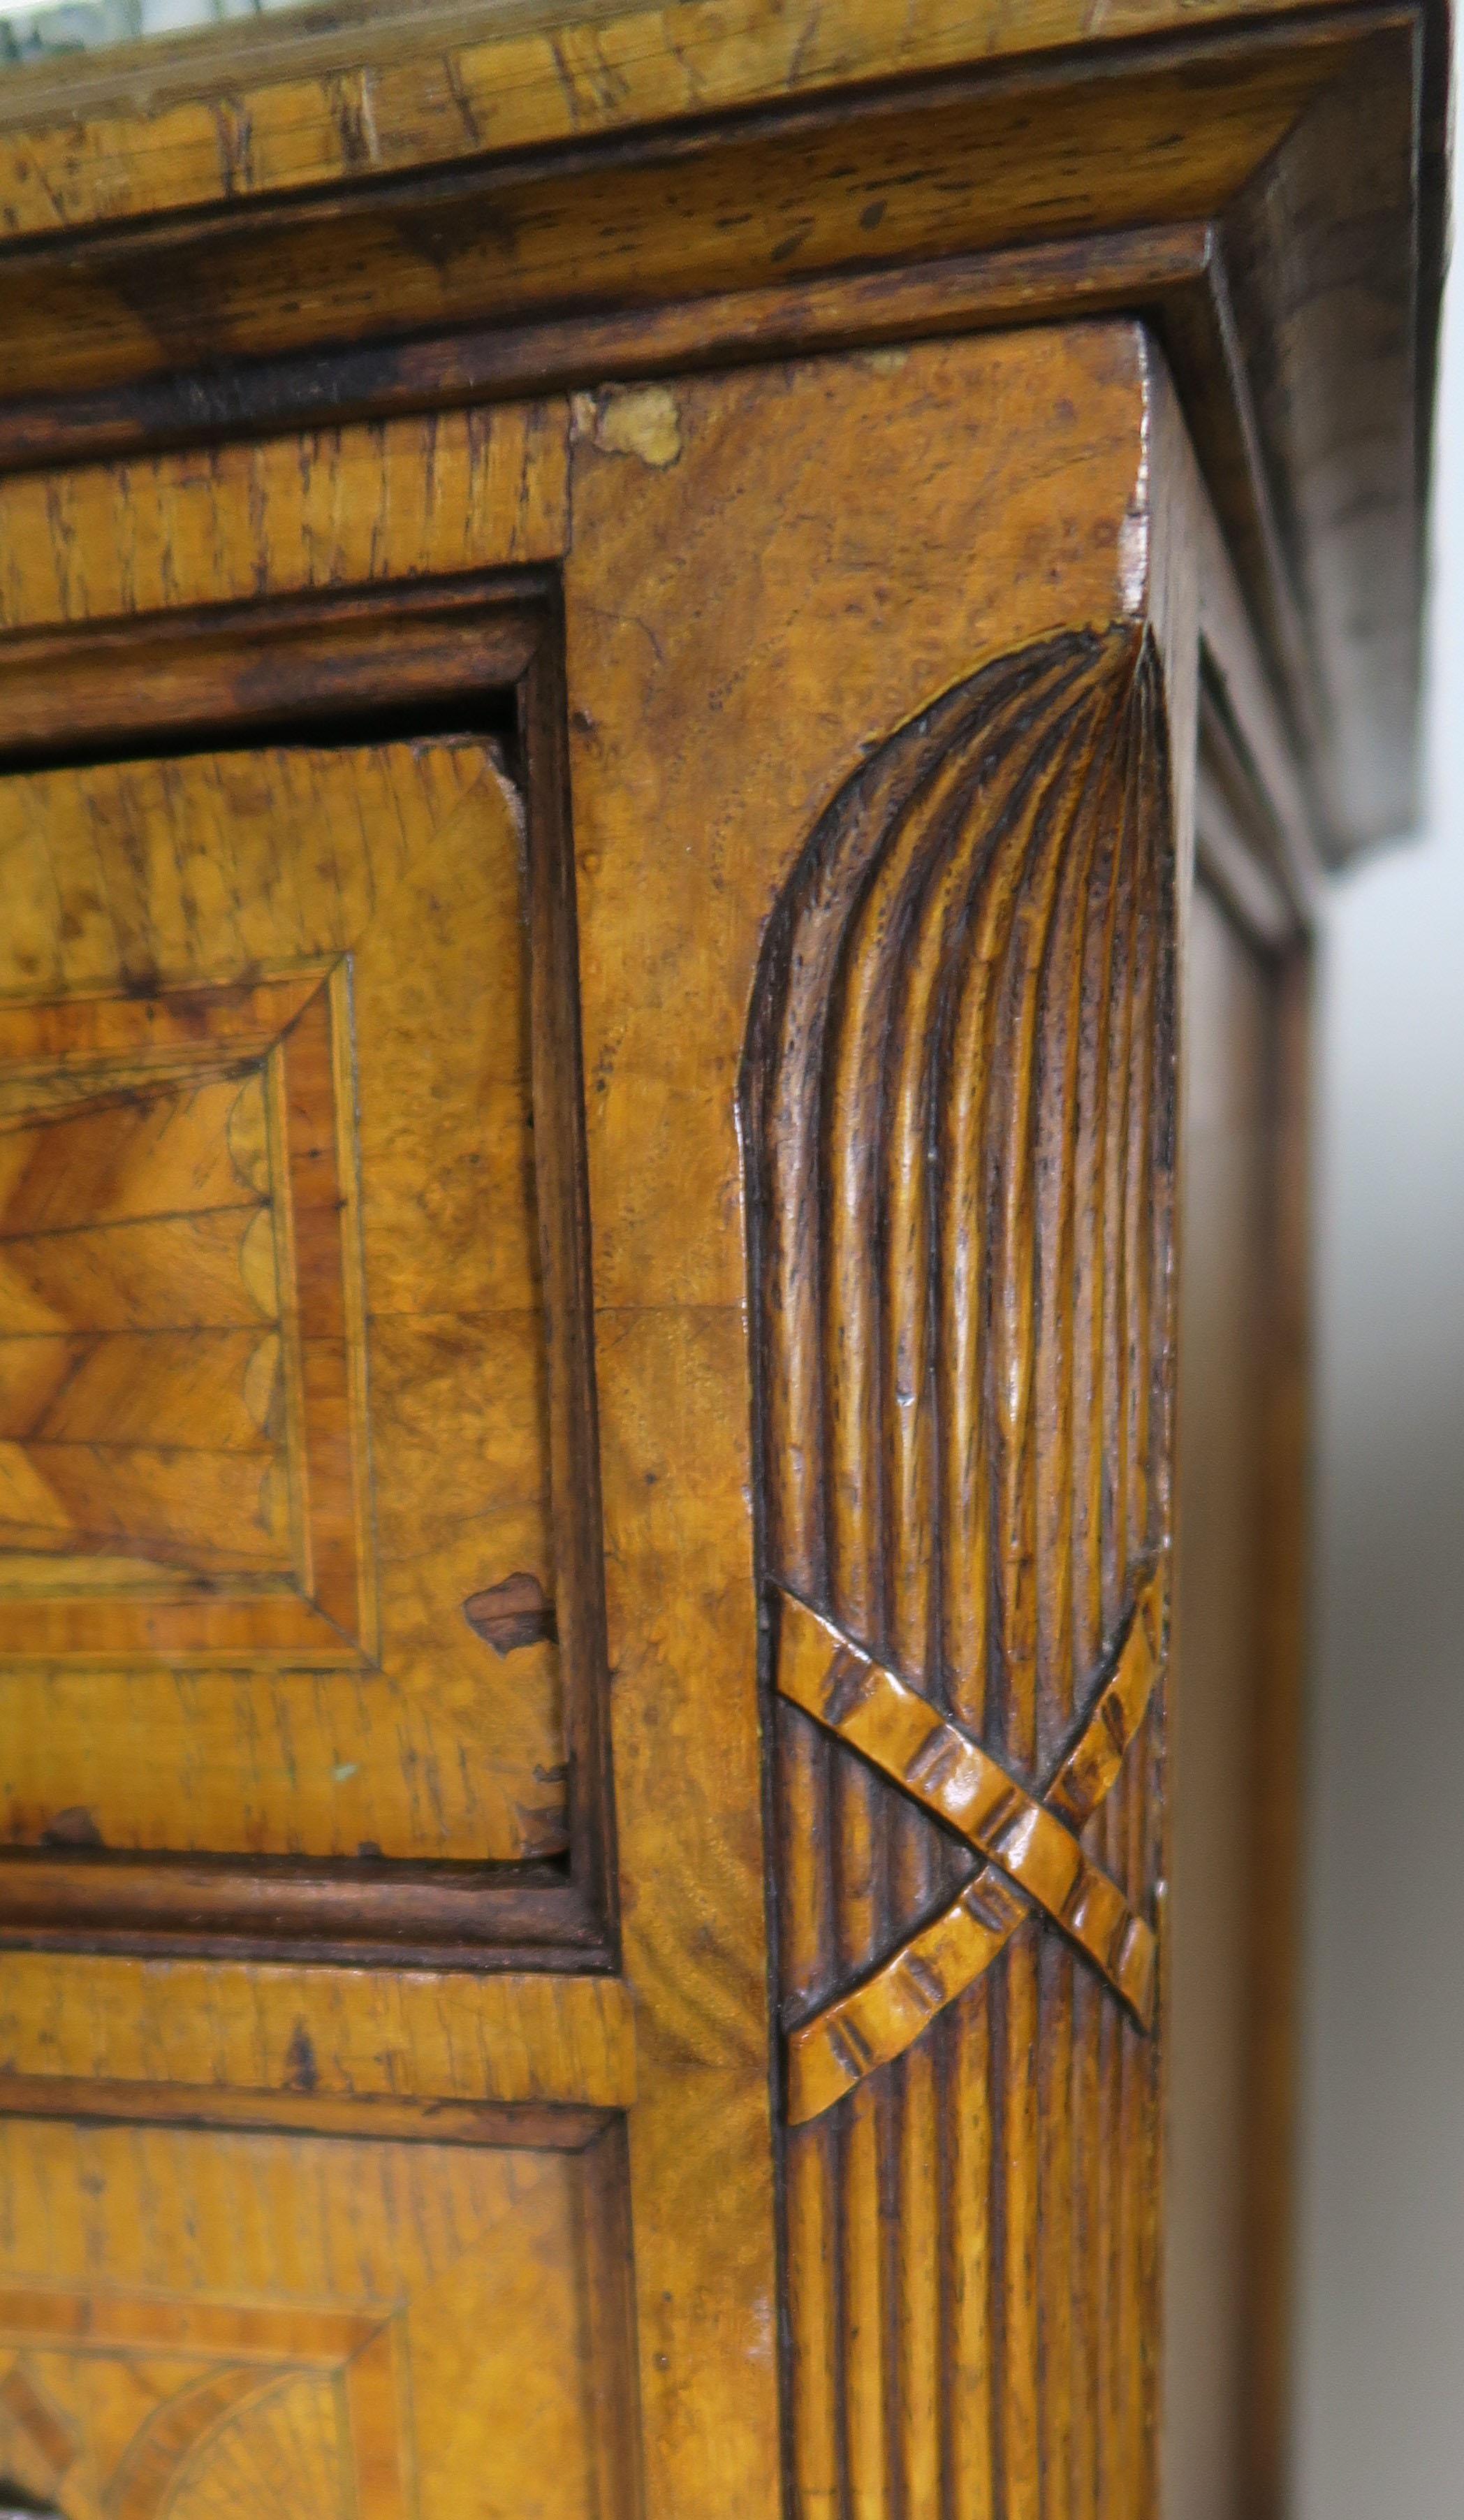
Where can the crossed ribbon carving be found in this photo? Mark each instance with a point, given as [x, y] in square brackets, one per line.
[1034, 1860]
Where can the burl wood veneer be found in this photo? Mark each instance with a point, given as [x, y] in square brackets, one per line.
[672, 690]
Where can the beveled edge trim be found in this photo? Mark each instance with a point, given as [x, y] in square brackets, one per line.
[371, 1913]
[73, 691]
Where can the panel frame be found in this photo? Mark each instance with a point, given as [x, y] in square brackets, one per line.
[232, 676]
[1248, 847]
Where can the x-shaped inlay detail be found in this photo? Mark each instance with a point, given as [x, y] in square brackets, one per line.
[1034, 1856]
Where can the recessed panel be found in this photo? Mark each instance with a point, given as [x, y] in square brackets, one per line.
[234, 2326]
[278, 1568]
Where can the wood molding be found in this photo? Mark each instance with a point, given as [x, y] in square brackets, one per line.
[394, 1913]
[958, 1116]
[373, 86]
[986, 159]
[215, 675]
[218, 679]
[434, 220]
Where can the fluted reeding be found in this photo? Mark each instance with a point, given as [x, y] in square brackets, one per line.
[958, 1124]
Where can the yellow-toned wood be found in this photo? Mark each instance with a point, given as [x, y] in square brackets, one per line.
[290, 2324]
[902, 1735]
[946, 178]
[596, 771]
[366, 95]
[889, 2011]
[342, 508]
[417, 211]
[776, 591]
[374, 1225]
[745, 627]
[410, 2034]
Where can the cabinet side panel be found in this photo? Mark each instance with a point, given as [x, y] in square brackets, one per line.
[1234, 1720]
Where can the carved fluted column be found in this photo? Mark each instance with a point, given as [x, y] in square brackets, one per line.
[958, 1104]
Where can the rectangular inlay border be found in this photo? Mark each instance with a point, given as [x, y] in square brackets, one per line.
[290, 1579]
[449, 651]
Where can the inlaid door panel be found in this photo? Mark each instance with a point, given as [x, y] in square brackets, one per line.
[294, 2325]
[274, 1408]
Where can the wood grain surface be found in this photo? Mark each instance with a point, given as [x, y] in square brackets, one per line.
[408, 2035]
[206, 874]
[990, 163]
[343, 506]
[251, 1331]
[775, 625]
[408, 213]
[958, 1102]
[294, 2324]
[396, 211]
[362, 91]
[530, 723]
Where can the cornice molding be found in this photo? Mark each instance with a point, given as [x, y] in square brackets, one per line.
[333, 94]
[408, 212]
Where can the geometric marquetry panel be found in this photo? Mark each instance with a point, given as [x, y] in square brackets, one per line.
[118, 2409]
[226, 2326]
[182, 1445]
[280, 1566]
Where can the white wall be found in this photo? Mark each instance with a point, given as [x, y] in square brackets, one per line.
[1381, 2415]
